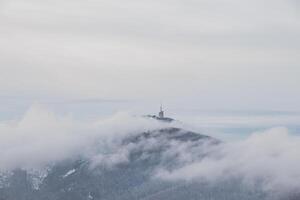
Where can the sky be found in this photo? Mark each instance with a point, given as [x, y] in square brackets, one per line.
[193, 54]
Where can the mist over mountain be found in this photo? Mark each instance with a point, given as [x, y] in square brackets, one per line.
[45, 156]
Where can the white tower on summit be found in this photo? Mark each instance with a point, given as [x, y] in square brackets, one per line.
[161, 112]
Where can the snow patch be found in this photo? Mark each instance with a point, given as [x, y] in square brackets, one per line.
[72, 171]
[38, 176]
[90, 196]
[4, 179]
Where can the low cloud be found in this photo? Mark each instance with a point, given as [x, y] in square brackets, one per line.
[40, 138]
[269, 158]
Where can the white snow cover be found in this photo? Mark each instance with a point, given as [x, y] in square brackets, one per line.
[72, 171]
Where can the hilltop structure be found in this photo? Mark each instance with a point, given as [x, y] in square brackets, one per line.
[161, 116]
[161, 112]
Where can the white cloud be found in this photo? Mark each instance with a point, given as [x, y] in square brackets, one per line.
[41, 138]
[270, 159]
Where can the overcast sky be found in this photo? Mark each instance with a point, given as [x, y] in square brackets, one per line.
[207, 54]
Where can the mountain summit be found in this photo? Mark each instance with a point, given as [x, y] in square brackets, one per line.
[137, 167]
